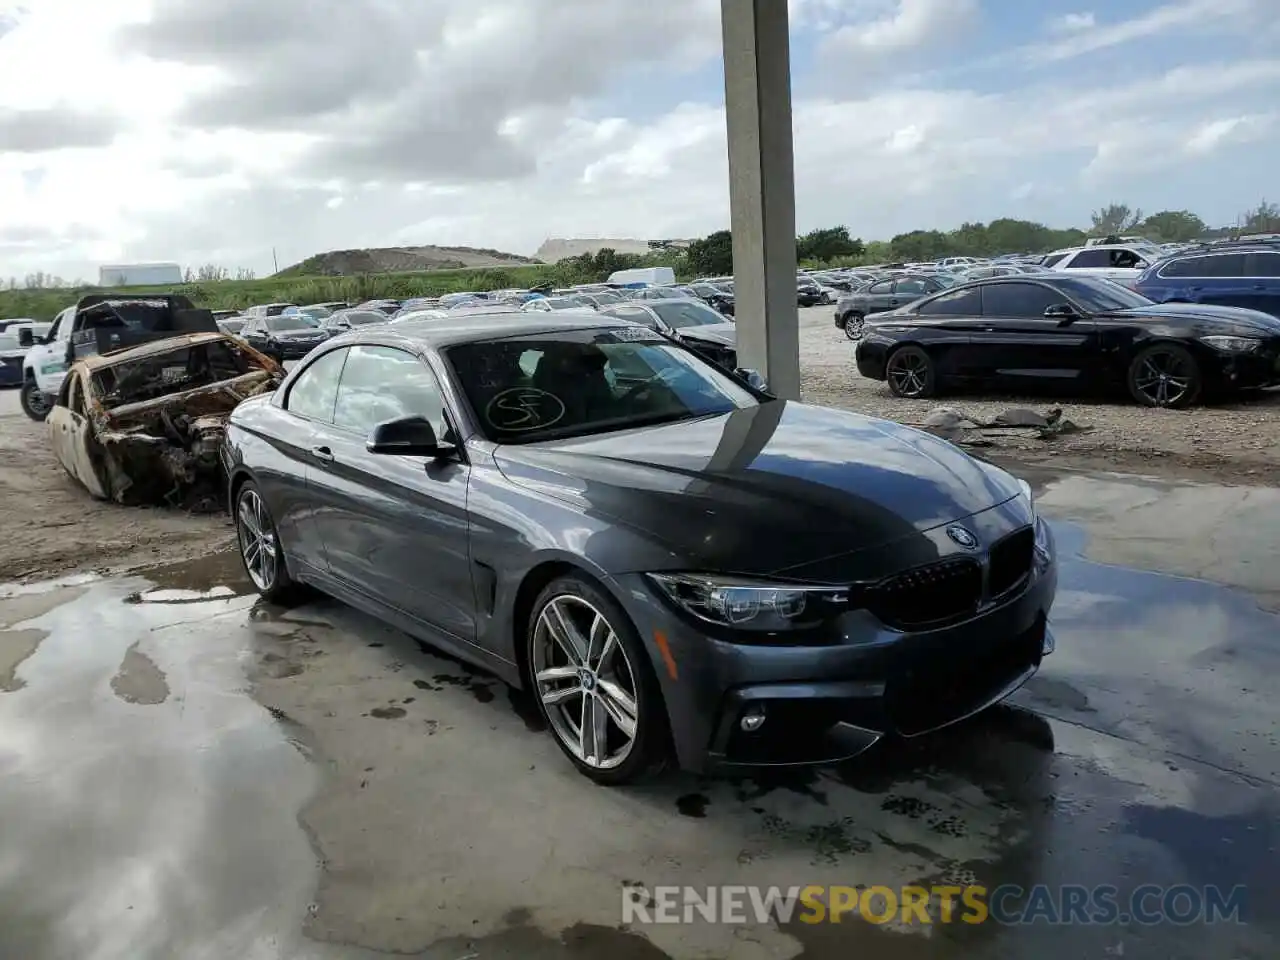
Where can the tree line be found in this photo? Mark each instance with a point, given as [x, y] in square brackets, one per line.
[41, 295]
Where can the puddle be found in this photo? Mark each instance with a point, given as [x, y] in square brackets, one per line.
[15, 647]
[216, 576]
[139, 680]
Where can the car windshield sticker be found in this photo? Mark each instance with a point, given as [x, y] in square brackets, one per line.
[523, 408]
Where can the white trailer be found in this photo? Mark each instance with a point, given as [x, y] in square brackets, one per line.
[139, 274]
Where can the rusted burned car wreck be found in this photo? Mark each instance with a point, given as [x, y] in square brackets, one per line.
[141, 414]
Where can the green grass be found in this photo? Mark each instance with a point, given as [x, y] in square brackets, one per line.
[238, 294]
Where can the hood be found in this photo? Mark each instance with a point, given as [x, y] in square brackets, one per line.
[311, 334]
[1238, 319]
[767, 488]
[725, 334]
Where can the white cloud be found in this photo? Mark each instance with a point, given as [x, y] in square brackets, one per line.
[1215, 134]
[1193, 15]
[307, 175]
[1070, 22]
[895, 25]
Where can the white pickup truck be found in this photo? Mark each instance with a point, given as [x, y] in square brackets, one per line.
[45, 364]
[97, 323]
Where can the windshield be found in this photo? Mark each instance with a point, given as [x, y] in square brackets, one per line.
[294, 321]
[1098, 295]
[679, 314]
[317, 312]
[580, 382]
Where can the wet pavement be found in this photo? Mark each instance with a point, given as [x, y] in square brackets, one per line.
[185, 772]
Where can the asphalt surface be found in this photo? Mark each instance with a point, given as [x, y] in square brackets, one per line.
[188, 773]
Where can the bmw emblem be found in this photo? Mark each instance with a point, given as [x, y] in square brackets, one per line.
[962, 536]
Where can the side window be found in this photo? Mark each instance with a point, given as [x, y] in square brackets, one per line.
[382, 383]
[1264, 265]
[52, 335]
[76, 397]
[1187, 267]
[1018, 299]
[316, 389]
[1053, 260]
[1093, 257]
[884, 286]
[1125, 259]
[1228, 265]
[958, 303]
[911, 287]
[64, 392]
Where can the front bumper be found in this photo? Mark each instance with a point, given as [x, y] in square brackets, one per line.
[1243, 371]
[11, 371]
[294, 349]
[829, 703]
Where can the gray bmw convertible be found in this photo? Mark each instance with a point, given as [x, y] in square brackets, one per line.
[678, 566]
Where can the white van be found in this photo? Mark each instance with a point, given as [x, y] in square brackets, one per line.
[650, 276]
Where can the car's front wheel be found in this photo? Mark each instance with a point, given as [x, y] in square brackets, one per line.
[594, 683]
[853, 324]
[33, 401]
[911, 374]
[1165, 375]
[260, 548]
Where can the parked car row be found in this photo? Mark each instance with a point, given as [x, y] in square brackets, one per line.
[1081, 332]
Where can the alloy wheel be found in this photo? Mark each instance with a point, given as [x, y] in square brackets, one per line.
[909, 373]
[1163, 378]
[586, 683]
[257, 540]
[853, 325]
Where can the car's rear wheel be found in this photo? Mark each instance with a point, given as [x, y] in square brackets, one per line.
[911, 374]
[594, 683]
[853, 324]
[33, 401]
[1165, 375]
[260, 549]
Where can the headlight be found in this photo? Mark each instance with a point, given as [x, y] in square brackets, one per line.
[1232, 344]
[1044, 545]
[743, 604]
[1025, 489]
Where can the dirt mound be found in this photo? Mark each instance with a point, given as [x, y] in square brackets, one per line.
[339, 263]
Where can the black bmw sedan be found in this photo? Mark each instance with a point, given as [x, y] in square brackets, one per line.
[677, 565]
[1084, 333]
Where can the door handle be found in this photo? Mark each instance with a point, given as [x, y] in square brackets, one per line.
[322, 453]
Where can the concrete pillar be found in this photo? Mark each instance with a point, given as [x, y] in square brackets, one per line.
[757, 85]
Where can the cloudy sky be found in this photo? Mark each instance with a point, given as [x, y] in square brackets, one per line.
[211, 131]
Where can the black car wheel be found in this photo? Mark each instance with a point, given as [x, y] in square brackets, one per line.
[910, 373]
[260, 548]
[33, 401]
[594, 683]
[853, 324]
[1165, 375]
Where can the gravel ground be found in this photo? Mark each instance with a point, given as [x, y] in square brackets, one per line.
[1235, 443]
[51, 526]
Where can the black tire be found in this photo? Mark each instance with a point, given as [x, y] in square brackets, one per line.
[650, 747]
[853, 325]
[279, 586]
[911, 374]
[33, 402]
[1165, 375]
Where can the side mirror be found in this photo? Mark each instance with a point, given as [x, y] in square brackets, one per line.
[407, 437]
[753, 378]
[26, 337]
[1062, 312]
